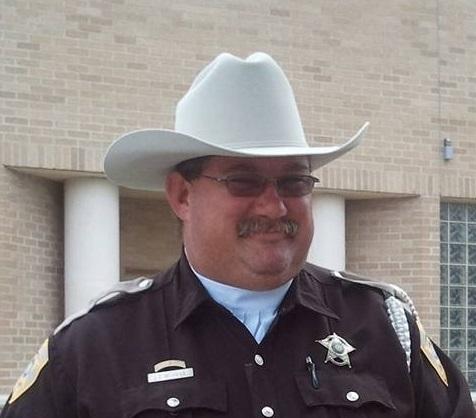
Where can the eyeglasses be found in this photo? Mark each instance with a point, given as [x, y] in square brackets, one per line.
[252, 185]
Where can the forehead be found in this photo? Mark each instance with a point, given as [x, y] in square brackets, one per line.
[265, 164]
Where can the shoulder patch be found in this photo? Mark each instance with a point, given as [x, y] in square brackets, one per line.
[31, 373]
[129, 287]
[428, 350]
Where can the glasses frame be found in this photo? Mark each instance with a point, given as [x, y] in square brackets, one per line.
[264, 181]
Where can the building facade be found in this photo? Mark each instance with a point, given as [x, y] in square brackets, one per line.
[74, 75]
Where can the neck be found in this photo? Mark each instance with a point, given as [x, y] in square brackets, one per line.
[234, 277]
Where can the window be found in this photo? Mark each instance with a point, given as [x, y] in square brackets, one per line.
[458, 285]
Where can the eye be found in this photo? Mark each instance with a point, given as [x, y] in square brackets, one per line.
[294, 181]
[245, 180]
[244, 184]
[295, 185]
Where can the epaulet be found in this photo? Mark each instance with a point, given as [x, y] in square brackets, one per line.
[128, 287]
[397, 302]
[388, 289]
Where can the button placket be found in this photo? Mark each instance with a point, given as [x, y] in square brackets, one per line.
[261, 384]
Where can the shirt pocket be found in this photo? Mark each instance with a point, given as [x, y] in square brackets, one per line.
[185, 398]
[355, 395]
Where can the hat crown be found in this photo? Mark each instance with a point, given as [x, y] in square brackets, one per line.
[234, 108]
[238, 103]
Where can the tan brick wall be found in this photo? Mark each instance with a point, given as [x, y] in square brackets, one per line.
[76, 75]
[31, 268]
[150, 237]
[397, 240]
[458, 97]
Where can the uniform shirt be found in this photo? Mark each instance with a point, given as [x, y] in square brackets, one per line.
[98, 366]
[255, 309]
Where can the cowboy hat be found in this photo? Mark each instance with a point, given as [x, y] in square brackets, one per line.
[236, 108]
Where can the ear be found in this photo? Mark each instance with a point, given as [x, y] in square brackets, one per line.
[177, 193]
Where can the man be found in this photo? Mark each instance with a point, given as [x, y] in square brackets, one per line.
[241, 326]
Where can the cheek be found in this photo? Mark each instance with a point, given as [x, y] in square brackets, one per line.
[307, 230]
[215, 217]
[301, 211]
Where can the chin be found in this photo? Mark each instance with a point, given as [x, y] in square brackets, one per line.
[275, 270]
[272, 281]
[274, 261]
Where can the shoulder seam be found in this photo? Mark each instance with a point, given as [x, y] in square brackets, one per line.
[388, 289]
[396, 302]
[129, 287]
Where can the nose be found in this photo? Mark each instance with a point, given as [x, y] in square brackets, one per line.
[270, 203]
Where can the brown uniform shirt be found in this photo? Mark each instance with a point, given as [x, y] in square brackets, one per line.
[98, 366]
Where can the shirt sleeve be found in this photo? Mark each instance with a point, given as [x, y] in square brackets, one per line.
[43, 390]
[434, 398]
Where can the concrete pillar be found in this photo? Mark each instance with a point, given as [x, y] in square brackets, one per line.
[91, 236]
[328, 246]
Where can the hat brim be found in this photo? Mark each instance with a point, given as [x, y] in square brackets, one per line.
[142, 159]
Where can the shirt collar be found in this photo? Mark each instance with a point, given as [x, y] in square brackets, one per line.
[239, 300]
[309, 291]
[306, 290]
[188, 293]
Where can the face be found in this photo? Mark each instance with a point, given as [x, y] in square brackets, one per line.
[219, 241]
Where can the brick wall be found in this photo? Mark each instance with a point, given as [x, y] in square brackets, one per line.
[31, 269]
[150, 237]
[457, 97]
[397, 240]
[76, 75]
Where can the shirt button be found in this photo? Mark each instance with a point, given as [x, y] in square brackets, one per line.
[259, 360]
[352, 396]
[173, 402]
[267, 412]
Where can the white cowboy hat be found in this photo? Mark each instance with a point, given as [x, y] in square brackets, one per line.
[236, 108]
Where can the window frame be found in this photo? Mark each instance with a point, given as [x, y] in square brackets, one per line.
[458, 286]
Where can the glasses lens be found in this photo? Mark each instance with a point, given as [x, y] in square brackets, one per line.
[295, 186]
[245, 185]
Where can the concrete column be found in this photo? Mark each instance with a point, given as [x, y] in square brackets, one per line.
[328, 246]
[91, 236]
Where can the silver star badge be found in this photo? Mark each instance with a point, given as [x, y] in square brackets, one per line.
[338, 350]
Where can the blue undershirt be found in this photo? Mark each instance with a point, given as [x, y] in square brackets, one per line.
[255, 309]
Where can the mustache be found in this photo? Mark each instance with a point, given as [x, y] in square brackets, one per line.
[259, 224]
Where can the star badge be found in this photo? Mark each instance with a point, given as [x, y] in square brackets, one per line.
[338, 350]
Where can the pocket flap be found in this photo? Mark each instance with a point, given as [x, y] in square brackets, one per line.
[175, 396]
[349, 390]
